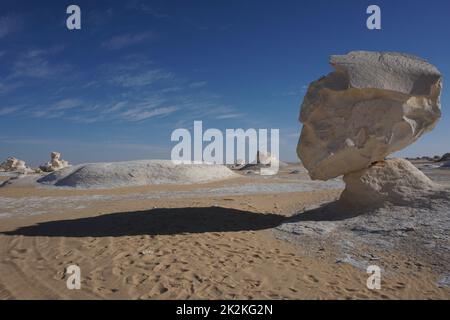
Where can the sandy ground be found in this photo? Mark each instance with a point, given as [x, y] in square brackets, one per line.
[209, 246]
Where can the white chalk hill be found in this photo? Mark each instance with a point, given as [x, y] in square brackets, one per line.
[135, 173]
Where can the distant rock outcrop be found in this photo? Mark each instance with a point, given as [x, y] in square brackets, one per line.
[56, 163]
[266, 158]
[14, 165]
[444, 158]
[372, 105]
[263, 159]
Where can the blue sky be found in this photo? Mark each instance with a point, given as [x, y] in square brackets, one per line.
[137, 70]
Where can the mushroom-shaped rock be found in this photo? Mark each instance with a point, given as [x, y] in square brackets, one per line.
[372, 105]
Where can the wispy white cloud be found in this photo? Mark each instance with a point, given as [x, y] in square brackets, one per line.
[171, 89]
[141, 79]
[46, 113]
[37, 63]
[33, 63]
[10, 24]
[67, 104]
[139, 114]
[116, 107]
[126, 40]
[128, 63]
[84, 118]
[9, 110]
[134, 88]
[229, 116]
[57, 109]
[208, 107]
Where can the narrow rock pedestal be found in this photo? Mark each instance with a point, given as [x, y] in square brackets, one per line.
[390, 182]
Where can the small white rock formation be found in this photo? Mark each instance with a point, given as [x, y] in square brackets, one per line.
[135, 173]
[56, 163]
[372, 105]
[263, 159]
[266, 158]
[14, 165]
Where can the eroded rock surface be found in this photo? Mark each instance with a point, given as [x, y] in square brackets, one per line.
[135, 173]
[393, 182]
[56, 163]
[14, 165]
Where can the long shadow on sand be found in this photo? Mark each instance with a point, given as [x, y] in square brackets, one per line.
[332, 211]
[154, 222]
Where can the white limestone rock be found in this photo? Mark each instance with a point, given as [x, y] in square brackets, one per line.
[266, 158]
[372, 105]
[14, 165]
[135, 173]
[394, 182]
[56, 163]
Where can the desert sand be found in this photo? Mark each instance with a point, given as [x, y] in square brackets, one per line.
[218, 240]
